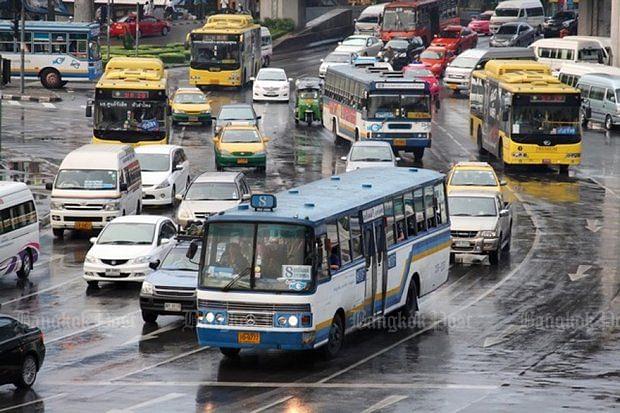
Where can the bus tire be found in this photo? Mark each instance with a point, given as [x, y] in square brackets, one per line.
[58, 232]
[335, 338]
[418, 154]
[500, 156]
[411, 305]
[50, 79]
[564, 170]
[335, 130]
[26, 267]
[494, 255]
[149, 317]
[229, 352]
[481, 149]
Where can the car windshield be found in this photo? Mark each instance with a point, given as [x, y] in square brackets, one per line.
[399, 19]
[472, 206]
[236, 113]
[465, 62]
[86, 179]
[431, 55]
[338, 58]
[368, 19]
[177, 260]
[212, 191]
[127, 233]
[547, 119]
[188, 98]
[361, 153]
[464, 177]
[261, 257]
[240, 136]
[154, 162]
[356, 41]
[127, 19]
[508, 29]
[397, 44]
[271, 75]
[501, 12]
[450, 34]
[398, 106]
[215, 51]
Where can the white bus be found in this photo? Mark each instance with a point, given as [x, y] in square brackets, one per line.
[570, 73]
[19, 229]
[266, 47]
[557, 52]
[300, 269]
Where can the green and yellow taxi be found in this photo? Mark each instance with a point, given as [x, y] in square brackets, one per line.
[240, 145]
[189, 104]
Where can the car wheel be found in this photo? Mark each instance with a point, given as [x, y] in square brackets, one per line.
[92, 284]
[609, 124]
[26, 267]
[50, 79]
[230, 352]
[164, 31]
[27, 373]
[584, 120]
[266, 64]
[335, 338]
[509, 240]
[58, 232]
[149, 317]
[494, 256]
[173, 195]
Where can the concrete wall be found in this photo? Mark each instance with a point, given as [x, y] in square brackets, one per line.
[594, 17]
[292, 9]
[329, 27]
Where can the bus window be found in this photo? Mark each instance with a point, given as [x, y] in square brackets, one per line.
[388, 207]
[7, 43]
[59, 43]
[343, 239]
[409, 215]
[418, 203]
[399, 215]
[332, 248]
[440, 202]
[356, 236]
[430, 208]
[322, 255]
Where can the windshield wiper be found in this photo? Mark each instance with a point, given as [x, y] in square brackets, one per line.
[239, 276]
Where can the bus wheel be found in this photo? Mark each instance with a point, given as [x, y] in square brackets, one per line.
[335, 338]
[50, 79]
[411, 306]
[481, 150]
[230, 352]
[335, 130]
[26, 267]
[418, 153]
[58, 232]
[500, 156]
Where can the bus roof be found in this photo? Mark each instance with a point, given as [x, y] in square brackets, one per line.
[10, 187]
[404, 3]
[523, 76]
[228, 24]
[135, 73]
[52, 26]
[372, 76]
[319, 200]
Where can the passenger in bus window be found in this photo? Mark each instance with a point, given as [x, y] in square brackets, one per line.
[400, 231]
[334, 255]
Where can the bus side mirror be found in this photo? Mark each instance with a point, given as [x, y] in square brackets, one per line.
[505, 116]
[191, 251]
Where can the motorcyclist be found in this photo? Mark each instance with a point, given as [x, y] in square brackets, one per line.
[389, 54]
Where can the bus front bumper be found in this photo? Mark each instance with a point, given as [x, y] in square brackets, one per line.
[263, 340]
[524, 154]
[418, 140]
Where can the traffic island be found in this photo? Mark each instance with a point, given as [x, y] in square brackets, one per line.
[34, 97]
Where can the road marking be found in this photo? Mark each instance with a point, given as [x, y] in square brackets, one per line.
[170, 360]
[270, 405]
[56, 396]
[92, 327]
[599, 184]
[13, 103]
[444, 130]
[153, 334]
[388, 401]
[53, 287]
[580, 273]
[593, 225]
[49, 105]
[164, 398]
[503, 336]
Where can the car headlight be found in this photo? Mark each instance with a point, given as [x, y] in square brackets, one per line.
[112, 206]
[147, 288]
[55, 205]
[176, 111]
[566, 24]
[163, 185]
[293, 321]
[205, 112]
[487, 234]
[210, 317]
[90, 259]
[260, 153]
[142, 260]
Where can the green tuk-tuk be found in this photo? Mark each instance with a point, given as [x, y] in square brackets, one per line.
[308, 104]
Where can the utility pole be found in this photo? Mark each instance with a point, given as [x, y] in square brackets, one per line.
[137, 26]
[83, 11]
[22, 43]
[51, 12]
[109, 22]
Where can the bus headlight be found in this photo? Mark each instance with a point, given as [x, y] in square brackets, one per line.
[282, 320]
[210, 317]
[293, 321]
[219, 317]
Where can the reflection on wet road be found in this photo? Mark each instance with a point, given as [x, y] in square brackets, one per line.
[527, 334]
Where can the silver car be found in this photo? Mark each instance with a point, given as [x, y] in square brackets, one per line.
[363, 45]
[514, 35]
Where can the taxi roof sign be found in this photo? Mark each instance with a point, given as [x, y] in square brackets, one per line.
[263, 202]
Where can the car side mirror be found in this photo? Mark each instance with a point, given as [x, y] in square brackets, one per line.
[246, 197]
[154, 264]
[252, 79]
[93, 240]
[259, 117]
[397, 159]
[339, 43]
[123, 187]
[504, 213]
[164, 241]
[89, 111]
[343, 158]
[266, 139]
[49, 186]
[192, 250]
[216, 139]
[178, 197]
[503, 183]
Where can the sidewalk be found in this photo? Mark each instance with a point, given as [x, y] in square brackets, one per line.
[31, 93]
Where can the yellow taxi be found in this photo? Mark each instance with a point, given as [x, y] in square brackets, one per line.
[240, 145]
[189, 104]
[476, 176]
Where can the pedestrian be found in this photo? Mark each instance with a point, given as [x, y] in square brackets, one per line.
[169, 10]
[149, 8]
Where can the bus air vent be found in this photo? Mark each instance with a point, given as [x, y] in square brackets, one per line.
[294, 191]
[309, 205]
[335, 178]
[366, 185]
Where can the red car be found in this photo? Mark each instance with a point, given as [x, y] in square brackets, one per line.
[480, 24]
[149, 26]
[456, 38]
[436, 59]
[423, 72]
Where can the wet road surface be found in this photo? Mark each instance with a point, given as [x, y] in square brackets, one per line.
[518, 336]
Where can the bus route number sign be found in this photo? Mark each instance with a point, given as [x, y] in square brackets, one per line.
[263, 201]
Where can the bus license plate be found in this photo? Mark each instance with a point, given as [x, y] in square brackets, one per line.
[248, 338]
[84, 225]
[400, 142]
[242, 161]
[172, 307]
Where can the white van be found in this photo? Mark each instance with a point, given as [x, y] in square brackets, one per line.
[528, 11]
[557, 52]
[266, 47]
[605, 43]
[19, 229]
[369, 20]
[95, 184]
[570, 73]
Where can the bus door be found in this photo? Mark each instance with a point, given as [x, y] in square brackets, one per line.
[376, 266]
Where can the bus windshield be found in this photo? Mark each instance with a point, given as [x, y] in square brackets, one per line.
[399, 20]
[261, 257]
[130, 115]
[547, 120]
[397, 106]
[214, 53]
[86, 179]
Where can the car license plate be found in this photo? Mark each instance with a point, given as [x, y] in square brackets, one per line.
[461, 244]
[84, 225]
[192, 119]
[248, 338]
[242, 161]
[451, 86]
[172, 307]
[112, 272]
[400, 142]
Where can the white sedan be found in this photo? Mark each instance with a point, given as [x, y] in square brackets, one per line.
[128, 249]
[271, 84]
[363, 45]
[165, 173]
[370, 154]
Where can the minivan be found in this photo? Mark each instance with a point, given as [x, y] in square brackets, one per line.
[369, 20]
[605, 43]
[458, 72]
[266, 46]
[556, 52]
[570, 73]
[95, 184]
[528, 11]
[600, 99]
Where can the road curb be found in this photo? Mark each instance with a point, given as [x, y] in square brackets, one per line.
[29, 98]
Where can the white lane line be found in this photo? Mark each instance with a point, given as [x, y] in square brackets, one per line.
[452, 138]
[44, 399]
[596, 181]
[13, 103]
[48, 105]
[91, 327]
[53, 287]
[388, 401]
[170, 360]
[164, 398]
[273, 404]
[153, 334]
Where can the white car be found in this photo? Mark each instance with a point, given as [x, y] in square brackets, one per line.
[128, 249]
[370, 154]
[335, 58]
[211, 193]
[362, 44]
[271, 84]
[480, 224]
[165, 172]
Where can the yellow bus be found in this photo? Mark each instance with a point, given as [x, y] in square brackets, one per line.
[226, 51]
[522, 114]
[131, 103]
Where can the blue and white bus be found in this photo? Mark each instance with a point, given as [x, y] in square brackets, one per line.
[300, 269]
[56, 52]
[361, 102]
